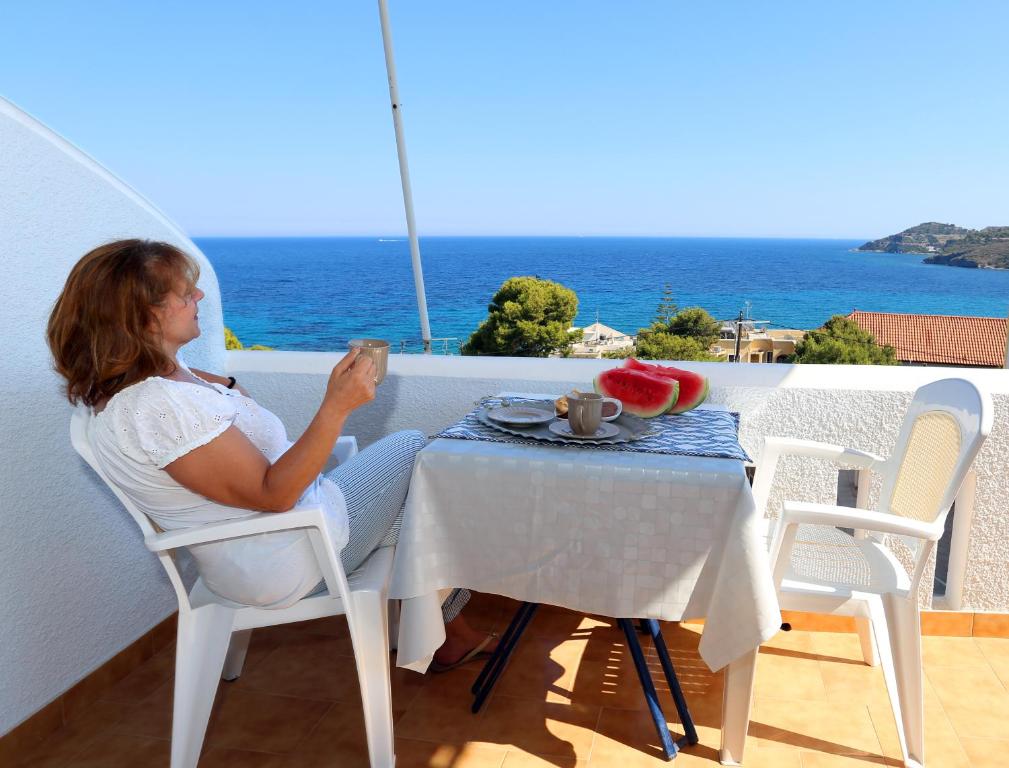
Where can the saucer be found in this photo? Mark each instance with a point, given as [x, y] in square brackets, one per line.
[605, 431]
[520, 414]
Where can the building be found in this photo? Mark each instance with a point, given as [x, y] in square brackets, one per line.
[954, 340]
[758, 344]
[598, 339]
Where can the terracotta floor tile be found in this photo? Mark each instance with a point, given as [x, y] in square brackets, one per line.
[838, 648]
[150, 717]
[120, 750]
[814, 726]
[76, 736]
[985, 753]
[951, 652]
[239, 758]
[308, 667]
[441, 710]
[942, 747]
[827, 760]
[996, 651]
[771, 758]
[551, 621]
[854, 684]
[525, 760]
[538, 727]
[425, 754]
[629, 740]
[991, 625]
[337, 739]
[145, 679]
[974, 698]
[261, 722]
[784, 677]
[542, 665]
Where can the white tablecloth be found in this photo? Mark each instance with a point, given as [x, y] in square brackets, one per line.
[613, 533]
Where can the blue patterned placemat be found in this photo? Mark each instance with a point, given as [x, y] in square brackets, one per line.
[701, 432]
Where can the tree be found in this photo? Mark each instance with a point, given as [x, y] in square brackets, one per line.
[657, 344]
[695, 323]
[231, 340]
[667, 306]
[527, 317]
[842, 342]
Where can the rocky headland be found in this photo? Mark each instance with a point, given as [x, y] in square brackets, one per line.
[949, 244]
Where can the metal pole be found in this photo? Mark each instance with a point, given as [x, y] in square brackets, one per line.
[404, 175]
[739, 332]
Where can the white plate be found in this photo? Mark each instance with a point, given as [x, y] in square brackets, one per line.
[520, 414]
[605, 431]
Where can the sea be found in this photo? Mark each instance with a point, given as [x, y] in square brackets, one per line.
[317, 293]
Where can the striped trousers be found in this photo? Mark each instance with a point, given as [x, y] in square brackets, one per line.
[375, 483]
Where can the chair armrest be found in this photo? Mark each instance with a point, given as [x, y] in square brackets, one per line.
[799, 512]
[345, 449]
[265, 522]
[796, 447]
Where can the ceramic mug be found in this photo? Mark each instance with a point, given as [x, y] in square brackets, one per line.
[585, 412]
[377, 350]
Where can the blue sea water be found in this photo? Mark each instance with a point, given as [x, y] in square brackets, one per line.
[316, 293]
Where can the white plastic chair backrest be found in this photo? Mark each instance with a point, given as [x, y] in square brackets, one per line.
[943, 430]
[80, 427]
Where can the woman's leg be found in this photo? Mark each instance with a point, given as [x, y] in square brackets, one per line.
[374, 484]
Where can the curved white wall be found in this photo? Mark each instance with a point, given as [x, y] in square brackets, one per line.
[76, 584]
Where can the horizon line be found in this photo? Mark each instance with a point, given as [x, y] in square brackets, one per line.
[404, 237]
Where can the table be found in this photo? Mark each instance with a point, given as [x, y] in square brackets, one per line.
[613, 533]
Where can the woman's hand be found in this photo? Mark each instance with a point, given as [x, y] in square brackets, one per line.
[351, 384]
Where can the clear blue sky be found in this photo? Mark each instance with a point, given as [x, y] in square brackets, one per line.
[851, 119]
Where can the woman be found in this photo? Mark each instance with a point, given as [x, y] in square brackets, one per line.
[190, 447]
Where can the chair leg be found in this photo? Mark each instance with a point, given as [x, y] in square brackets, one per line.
[393, 616]
[203, 639]
[864, 628]
[895, 623]
[235, 659]
[369, 634]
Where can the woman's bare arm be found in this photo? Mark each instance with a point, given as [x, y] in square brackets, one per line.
[232, 471]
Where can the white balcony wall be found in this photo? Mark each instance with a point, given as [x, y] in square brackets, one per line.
[855, 406]
[76, 584]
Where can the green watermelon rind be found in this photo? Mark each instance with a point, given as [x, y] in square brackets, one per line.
[633, 364]
[637, 409]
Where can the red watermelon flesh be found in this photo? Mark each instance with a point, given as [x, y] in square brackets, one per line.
[642, 394]
[693, 386]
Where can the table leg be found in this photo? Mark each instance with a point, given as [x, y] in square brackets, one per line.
[651, 626]
[496, 663]
[737, 698]
[661, 727]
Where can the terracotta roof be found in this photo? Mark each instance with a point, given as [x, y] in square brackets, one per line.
[940, 339]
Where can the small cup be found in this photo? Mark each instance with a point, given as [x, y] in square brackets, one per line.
[585, 412]
[377, 350]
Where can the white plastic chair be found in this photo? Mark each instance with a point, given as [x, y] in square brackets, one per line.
[214, 634]
[821, 569]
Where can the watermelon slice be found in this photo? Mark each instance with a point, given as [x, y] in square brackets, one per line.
[643, 394]
[693, 386]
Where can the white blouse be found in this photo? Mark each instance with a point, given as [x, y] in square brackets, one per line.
[148, 425]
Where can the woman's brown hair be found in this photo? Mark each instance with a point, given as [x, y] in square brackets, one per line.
[103, 331]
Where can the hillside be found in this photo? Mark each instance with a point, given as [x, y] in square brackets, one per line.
[949, 244]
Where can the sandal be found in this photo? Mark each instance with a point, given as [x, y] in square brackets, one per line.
[479, 653]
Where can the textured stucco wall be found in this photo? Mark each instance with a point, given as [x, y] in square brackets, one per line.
[76, 584]
[852, 406]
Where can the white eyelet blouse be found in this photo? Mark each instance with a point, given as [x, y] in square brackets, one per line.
[148, 425]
